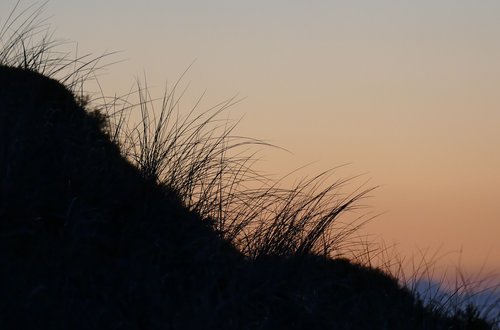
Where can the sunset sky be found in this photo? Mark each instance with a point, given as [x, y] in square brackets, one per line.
[406, 92]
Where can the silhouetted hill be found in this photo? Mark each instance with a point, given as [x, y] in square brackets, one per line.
[87, 243]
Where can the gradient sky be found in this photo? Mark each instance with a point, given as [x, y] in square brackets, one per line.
[405, 91]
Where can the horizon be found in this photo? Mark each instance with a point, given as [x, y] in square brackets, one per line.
[406, 93]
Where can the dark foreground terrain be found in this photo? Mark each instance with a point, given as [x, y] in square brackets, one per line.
[87, 243]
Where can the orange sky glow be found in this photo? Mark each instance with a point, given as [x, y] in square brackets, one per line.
[406, 92]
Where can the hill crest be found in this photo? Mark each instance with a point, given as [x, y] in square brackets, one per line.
[89, 243]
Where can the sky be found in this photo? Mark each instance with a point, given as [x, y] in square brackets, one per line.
[404, 92]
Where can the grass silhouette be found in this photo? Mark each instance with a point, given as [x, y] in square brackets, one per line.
[107, 223]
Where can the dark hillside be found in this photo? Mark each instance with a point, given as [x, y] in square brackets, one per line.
[87, 243]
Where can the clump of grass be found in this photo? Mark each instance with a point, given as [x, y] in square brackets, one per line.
[27, 41]
[470, 301]
[197, 156]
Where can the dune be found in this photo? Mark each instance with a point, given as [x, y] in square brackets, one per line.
[86, 242]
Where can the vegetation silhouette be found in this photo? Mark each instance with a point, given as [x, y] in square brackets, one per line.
[150, 226]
